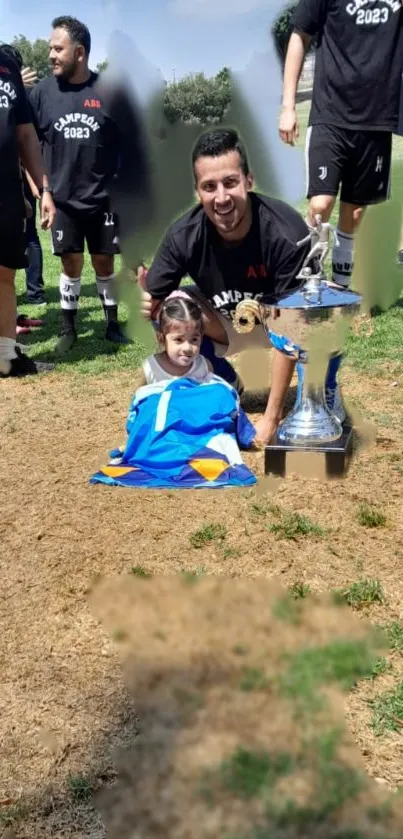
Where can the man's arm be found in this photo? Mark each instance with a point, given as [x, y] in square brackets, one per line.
[288, 125]
[30, 153]
[31, 156]
[34, 189]
[164, 276]
[307, 22]
[31, 159]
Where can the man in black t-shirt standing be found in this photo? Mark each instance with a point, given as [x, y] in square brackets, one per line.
[236, 245]
[18, 143]
[354, 108]
[85, 140]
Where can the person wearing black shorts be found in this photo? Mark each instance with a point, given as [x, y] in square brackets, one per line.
[84, 138]
[18, 143]
[354, 111]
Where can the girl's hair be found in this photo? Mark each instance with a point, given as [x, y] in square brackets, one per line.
[179, 309]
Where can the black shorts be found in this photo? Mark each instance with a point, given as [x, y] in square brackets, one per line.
[13, 240]
[73, 228]
[356, 162]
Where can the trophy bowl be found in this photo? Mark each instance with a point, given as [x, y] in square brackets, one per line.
[306, 324]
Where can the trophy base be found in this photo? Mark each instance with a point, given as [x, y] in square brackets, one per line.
[315, 460]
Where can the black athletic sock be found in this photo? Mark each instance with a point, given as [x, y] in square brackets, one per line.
[111, 314]
[69, 320]
[106, 291]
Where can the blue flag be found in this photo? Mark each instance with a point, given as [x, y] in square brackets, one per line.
[182, 434]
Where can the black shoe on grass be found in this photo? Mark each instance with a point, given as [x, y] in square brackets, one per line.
[115, 334]
[22, 365]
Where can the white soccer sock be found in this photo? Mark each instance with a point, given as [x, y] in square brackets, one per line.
[69, 292]
[342, 258]
[7, 349]
[7, 353]
[105, 289]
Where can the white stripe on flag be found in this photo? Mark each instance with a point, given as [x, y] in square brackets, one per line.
[162, 410]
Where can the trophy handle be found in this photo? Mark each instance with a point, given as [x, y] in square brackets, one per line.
[247, 313]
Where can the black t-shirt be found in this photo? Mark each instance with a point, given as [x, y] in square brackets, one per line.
[89, 133]
[359, 60]
[14, 111]
[263, 266]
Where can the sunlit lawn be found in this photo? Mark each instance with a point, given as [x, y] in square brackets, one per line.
[93, 355]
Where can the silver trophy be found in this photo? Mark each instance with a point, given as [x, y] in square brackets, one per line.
[312, 319]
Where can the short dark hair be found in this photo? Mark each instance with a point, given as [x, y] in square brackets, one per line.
[220, 141]
[13, 53]
[77, 31]
[179, 309]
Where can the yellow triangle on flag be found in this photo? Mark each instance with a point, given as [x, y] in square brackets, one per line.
[209, 468]
[117, 471]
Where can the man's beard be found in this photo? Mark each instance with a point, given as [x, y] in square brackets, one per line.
[68, 71]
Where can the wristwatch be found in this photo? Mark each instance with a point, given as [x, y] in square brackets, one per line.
[45, 189]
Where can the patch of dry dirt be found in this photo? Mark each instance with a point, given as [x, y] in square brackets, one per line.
[63, 703]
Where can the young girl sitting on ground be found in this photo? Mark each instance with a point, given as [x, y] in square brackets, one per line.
[180, 334]
[165, 445]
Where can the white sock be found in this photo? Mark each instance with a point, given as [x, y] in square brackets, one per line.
[69, 292]
[105, 289]
[342, 258]
[7, 353]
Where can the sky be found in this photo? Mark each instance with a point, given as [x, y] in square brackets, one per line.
[169, 39]
[177, 36]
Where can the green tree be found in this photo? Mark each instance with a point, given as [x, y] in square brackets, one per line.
[223, 77]
[281, 31]
[102, 66]
[199, 99]
[35, 54]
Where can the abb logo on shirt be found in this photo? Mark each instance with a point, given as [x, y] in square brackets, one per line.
[254, 272]
[92, 103]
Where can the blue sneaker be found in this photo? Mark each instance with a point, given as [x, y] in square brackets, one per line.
[334, 403]
[332, 394]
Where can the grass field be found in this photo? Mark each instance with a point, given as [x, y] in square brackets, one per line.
[222, 744]
[93, 356]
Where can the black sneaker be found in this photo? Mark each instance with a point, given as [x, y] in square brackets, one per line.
[68, 338]
[114, 333]
[25, 366]
[399, 258]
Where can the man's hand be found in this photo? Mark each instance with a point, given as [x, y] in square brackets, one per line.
[142, 272]
[149, 306]
[48, 211]
[288, 126]
[265, 428]
[29, 77]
